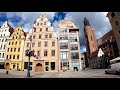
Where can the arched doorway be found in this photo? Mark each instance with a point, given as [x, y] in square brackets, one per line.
[7, 66]
[38, 67]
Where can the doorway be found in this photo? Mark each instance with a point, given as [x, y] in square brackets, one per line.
[39, 67]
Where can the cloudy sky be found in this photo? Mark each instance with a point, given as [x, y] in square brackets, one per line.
[98, 21]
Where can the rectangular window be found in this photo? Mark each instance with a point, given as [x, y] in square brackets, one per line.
[40, 29]
[18, 49]
[3, 55]
[20, 43]
[46, 29]
[34, 37]
[40, 36]
[74, 55]
[63, 37]
[74, 47]
[44, 23]
[52, 65]
[37, 24]
[0, 55]
[45, 44]
[27, 44]
[8, 50]
[2, 40]
[7, 57]
[45, 52]
[119, 32]
[10, 56]
[50, 36]
[17, 56]
[33, 44]
[65, 64]
[46, 36]
[30, 37]
[41, 19]
[63, 45]
[63, 55]
[73, 39]
[72, 32]
[12, 43]
[6, 40]
[4, 46]
[38, 53]
[34, 29]
[14, 49]
[46, 63]
[53, 53]
[9, 43]
[11, 49]
[63, 30]
[13, 56]
[16, 43]
[39, 44]
[53, 43]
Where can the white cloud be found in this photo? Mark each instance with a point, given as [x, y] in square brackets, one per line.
[28, 18]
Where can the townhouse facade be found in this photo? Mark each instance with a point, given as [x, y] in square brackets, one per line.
[15, 47]
[44, 43]
[5, 31]
[69, 47]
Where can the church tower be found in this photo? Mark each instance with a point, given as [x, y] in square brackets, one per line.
[90, 39]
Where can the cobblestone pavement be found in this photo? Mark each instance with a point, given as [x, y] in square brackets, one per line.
[89, 73]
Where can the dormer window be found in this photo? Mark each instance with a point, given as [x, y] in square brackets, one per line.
[37, 24]
[44, 23]
[40, 29]
[46, 29]
[34, 29]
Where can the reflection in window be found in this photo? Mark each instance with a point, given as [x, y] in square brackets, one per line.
[63, 45]
[63, 37]
[74, 55]
[64, 55]
[73, 39]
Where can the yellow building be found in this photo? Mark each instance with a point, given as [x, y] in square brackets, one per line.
[44, 43]
[15, 49]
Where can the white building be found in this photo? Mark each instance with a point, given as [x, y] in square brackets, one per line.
[69, 47]
[5, 31]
